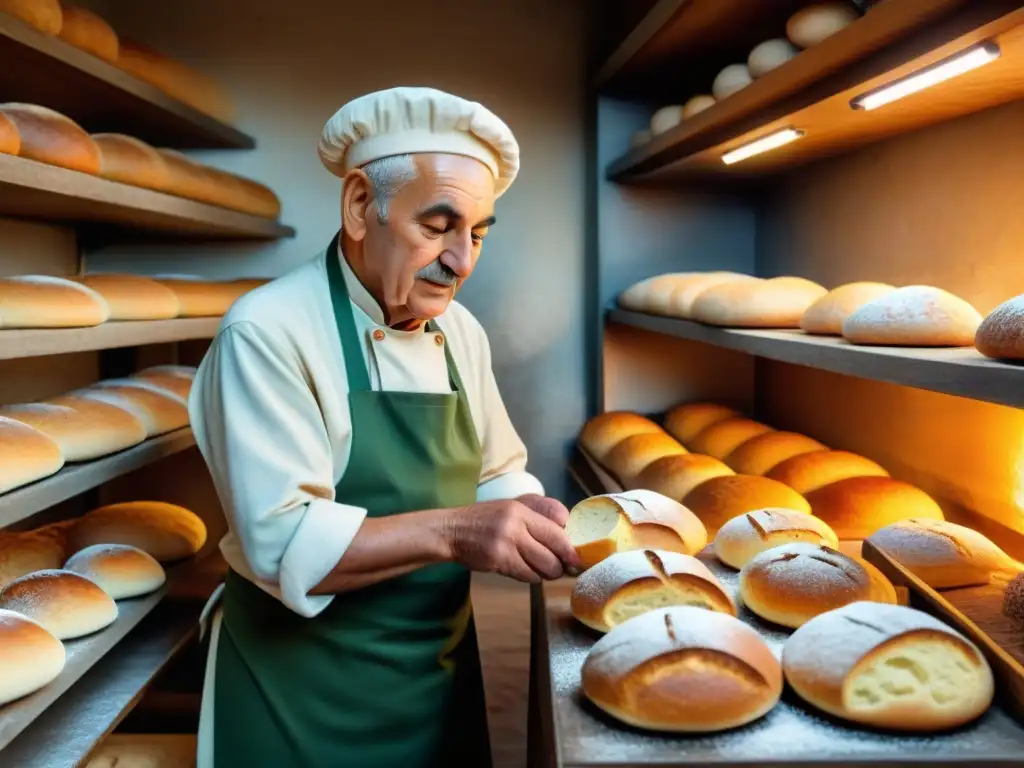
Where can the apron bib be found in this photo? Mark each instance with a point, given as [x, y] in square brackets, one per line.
[387, 676]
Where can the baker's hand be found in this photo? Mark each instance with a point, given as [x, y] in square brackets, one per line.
[510, 538]
[552, 509]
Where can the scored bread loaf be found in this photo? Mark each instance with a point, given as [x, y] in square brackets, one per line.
[602, 433]
[87, 31]
[165, 531]
[629, 584]
[84, 431]
[159, 410]
[720, 499]
[744, 537]
[174, 378]
[133, 297]
[41, 301]
[66, 604]
[634, 454]
[826, 316]
[810, 471]
[52, 138]
[122, 571]
[131, 161]
[198, 297]
[888, 666]
[24, 553]
[1001, 334]
[45, 15]
[857, 507]
[685, 422]
[723, 437]
[182, 82]
[26, 455]
[683, 669]
[944, 555]
[760, 454]
[776, 303]
[32, 657]
[916, 316]
[812, 25]
[620, 522]
[676, 476]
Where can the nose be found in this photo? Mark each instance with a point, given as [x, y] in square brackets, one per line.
[458, 257]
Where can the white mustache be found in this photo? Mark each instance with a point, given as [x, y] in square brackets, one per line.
[436, 272]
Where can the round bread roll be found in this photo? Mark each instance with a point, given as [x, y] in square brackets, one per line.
[1001, 334]
[859, 506]
[720, 499]
[600, 526]
[685, 292]
[639, 138]
[811, 471]
[122, 571]
[944, 555]
[733, 78]
[26, 455]
[769, 55]
[40, 301]
[634, 454]
[666, 118]
[32, 657]
[776, 303]
[166, 531]
[721, 438]
[604, 432]
[825, 317]
[888, 666]
[676, 476]
[85, 431]
[697, 104]
[25, 553]
[52, 138]
[746, 536]
[811, 25]
[916, 316]
[760, 454]
[133, 297]
[159, 410]
[683, 669]
[45, 15]
[64, 603]
[85, 30]
[127, 160]
[629, 584]
[174, 378]
[685, 422]
[792, 583]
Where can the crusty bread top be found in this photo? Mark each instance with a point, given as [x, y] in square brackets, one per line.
[45, 301]
[84, 29]
[26, 450]
[826, 315]
[761, 453]
[809, 471]
[721, 438]
[50, 137]
[685, 422]
[23, 553]
[1001, 334]
[763, 523]
[916, 315]
[603, 432]
[720, 499]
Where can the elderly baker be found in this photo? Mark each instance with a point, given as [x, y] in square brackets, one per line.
[366, 464]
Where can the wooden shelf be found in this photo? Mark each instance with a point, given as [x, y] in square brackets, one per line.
[74, 479]
[33, 190]
[963, 372]
[812, 92]
[41, 69]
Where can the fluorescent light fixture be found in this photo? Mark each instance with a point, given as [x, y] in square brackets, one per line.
[764, 144]
[957, 64]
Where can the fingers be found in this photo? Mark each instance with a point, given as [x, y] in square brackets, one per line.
[552, 509]
[553, 537]
[541, 559]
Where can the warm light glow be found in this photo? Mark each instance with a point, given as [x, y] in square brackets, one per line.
[958, 64]
[764, 144]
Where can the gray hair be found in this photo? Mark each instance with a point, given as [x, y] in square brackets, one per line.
[387, 175]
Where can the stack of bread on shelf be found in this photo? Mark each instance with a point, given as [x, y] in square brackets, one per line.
[64, 582]
[38, 439]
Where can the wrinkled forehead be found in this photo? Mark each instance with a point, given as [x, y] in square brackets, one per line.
[458, 184]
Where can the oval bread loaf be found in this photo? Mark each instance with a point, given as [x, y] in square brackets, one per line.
[676, 476]
[10, 141]
[87, 31]
[604, 432]
[744, 537]
[199, 298]
[717, 501]
[731, 79]
[666, 118]
[814, 24]
[634, 454]
[25, 553]
[915, 316]
[697, 104]
[86, 431]
[680, 300]
[133, 297]
[166, 531]
[159, 411]
[26, 455]
[857, 507]
[52, 138]
[41, 301]
[175, 79]
[723, 437]
[685, 422]
[130, 161]
[45, 15]
[659, 299]
[122, 571]
[760, 454]
[66, 604]
[1001, 334]
[776, 303]
[770, 55]
[32, 657]
[173, 378]
[826, 316]
[653, 292]
[810, 471]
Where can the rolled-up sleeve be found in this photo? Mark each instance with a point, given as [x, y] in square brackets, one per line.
[261, 432]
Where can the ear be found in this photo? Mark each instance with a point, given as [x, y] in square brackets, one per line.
[355, 203]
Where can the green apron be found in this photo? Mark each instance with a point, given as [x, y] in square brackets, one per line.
[387, 676]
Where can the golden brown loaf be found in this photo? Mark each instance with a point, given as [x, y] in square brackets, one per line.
[45, 15]
[57, 534]
[246, 195]
[746, 536]
[916, 316]
[84, 29]
[683, 669]
[189, 179]
[857, 507]
[173, 378]
[810, 471]
[776, 303]
[121, 571]
[130, 161]
[826, 316]
[1001, 334]
[200, 298]
[944, 555]
[685, 292]
[685, 422]
[634, 454]
[32, 658]
[882, 590]
[676, 476]
[604, 432]
[652, 294]
[166, 531]
[84, 431]
[620, 522]
[888, 666]
[723, 437]
[159, 411]
[23, 553]
[175, 79]
[65, 604]
[759, 455]
[811, 25]
[628, 584]
[40, 301]
[50, 137]
[26, 455]
[720, 499]
[133, 297]
[10, 141]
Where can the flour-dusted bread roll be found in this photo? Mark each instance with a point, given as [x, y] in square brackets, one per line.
[634, 454]
[122, 571]
[721, 438]
[166, 531]
[683, 669]
[26, 455]
[769, 55]
[888, 666]
[679, 302]
[41, 301]
[914, 316]
[621, 522]
[826, 316]
[85, 431]
[760, 454]
[697, 104]
[718, 500]
[811, 471]
[810, 26]
[733, 78]
[776, 303]
[859, 506]
[45, 15]
[175, 79]
[174, 378]
[666, 118]
[604, 432]
[159, 410]
[132, 297]
[130, 161]
[85, 30]
[676, 476]
[1001, 334]
[792, 583]
[944, 555]
[686, 421]
[30, 656]
[24, 553]
[198, 297]
[629, 584]
[50, 137]
[746, 536]
[66, 604]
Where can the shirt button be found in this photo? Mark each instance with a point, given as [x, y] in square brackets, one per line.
[378, 335]
[439, 339]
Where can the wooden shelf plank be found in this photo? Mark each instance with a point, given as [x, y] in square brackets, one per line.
[41, 69]
[33, 190]
[963, 372]
[74, 479]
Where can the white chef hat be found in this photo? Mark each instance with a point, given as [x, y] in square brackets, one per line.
[402, 121]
